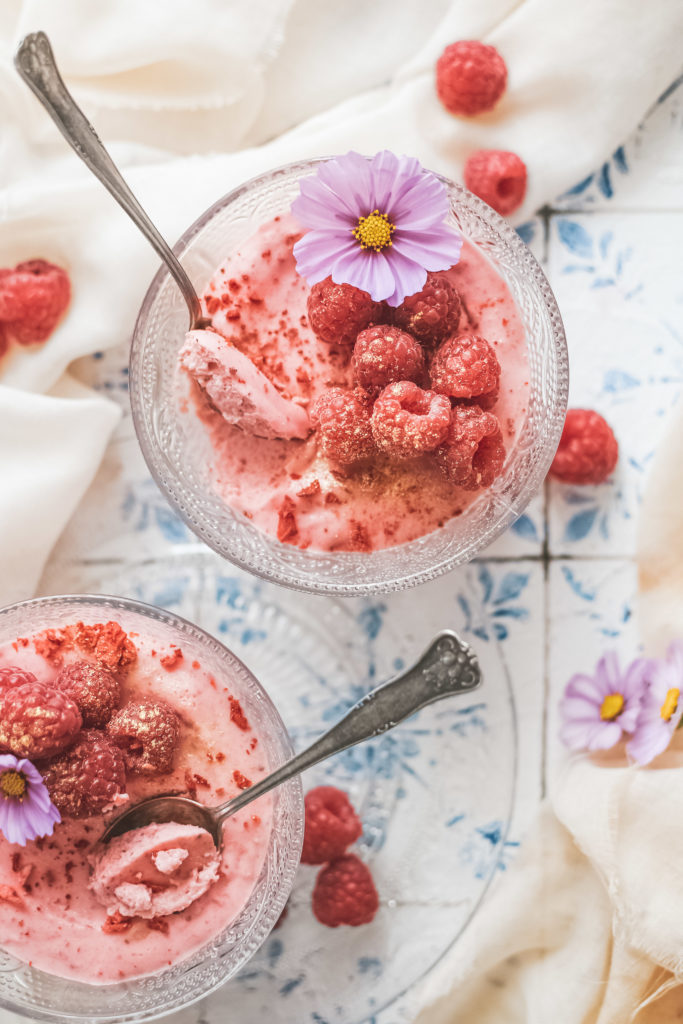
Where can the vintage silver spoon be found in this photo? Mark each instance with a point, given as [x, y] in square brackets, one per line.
[449, 666]
[35, 62]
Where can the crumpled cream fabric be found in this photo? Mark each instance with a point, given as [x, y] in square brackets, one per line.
[586, 928]
[199, 76]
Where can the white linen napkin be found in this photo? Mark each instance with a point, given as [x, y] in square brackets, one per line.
[572, 98]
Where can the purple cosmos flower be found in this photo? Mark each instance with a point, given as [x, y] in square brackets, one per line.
[661, 709]
[26, 810]
[597, 709]
[378, 224]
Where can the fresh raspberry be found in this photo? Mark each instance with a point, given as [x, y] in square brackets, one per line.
[588, 449]
[465, 366]
[473, 453]
[94, 688]
[432, 313]
[338, 312]
[470, 77]
[345, 893]
[87, 778]
[36, 720]
[331, 825]
[383, 355]
[407, 421]
[498, 177]
[33, 298]
[343, 423]
[12, 675]
[147, 733]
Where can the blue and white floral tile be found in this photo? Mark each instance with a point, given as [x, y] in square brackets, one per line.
[620, 294]
[591, 605]
[646, 171]
[533, 234]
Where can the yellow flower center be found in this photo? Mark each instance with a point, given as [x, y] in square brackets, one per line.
[13, 784]
[612, 705]
[374, 231]
[670, 704]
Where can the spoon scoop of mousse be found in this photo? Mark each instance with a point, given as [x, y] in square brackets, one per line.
[155, 870]
[240, 392]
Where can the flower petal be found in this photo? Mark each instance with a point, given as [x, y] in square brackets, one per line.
[606, 735]
[581, 685]
[350, 178]
[650, 740]
[318, 207]
[409, 277]
[433, 250]
[422, 203]
[317, 251]
[369, 271]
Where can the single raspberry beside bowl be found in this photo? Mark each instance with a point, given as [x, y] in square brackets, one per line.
[36, 720]
[338, 312]
[87, 778]
[147, 733]
[470, 77]
[431, 314]
[331, 825]
[588, 450]
[407, 421]
[345, 893]
[12, 675]
[473, 453]
[383, 355]
[465, 366]
[33, 298]
[94, 688]
[343, 423]
[498, 177]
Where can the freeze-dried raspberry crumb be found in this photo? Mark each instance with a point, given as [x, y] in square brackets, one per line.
[9, 894]
[383, 355]
[147, 732]
[87, 778]
[431, 314]
[157, 924]
[33, 298]
[237, 715]
[309, 490]
[338, 312]
[240, 780]
[171, 661]
[473, 453]
[331, 825]
[106, 642]
[117, 923]
[94, 689]
[407, 421]
[466, 366]
[287, 526]
[343, 423]
[12, 675]
[470, 77]
[498, 177]
[588, 450]
[345, 893]
[37, 720]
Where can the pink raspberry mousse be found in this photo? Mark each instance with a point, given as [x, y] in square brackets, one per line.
[240, 392]
[154, 871]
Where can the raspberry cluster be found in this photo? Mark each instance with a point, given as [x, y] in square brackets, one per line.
[80, 737]
[33, 298]
[344, 891]
[421, 388]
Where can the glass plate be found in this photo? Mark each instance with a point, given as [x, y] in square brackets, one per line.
[435, 795]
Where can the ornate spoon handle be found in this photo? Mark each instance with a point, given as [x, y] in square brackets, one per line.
[35, 62]
[448, 666]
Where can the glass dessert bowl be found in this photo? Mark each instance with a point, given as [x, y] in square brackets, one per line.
[63, 959]
[200, 467]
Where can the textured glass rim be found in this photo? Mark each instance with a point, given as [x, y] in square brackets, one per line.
[173, 489]
[171, 619]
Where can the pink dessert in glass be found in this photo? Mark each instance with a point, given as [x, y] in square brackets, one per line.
[340, 421]
[115, 718]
